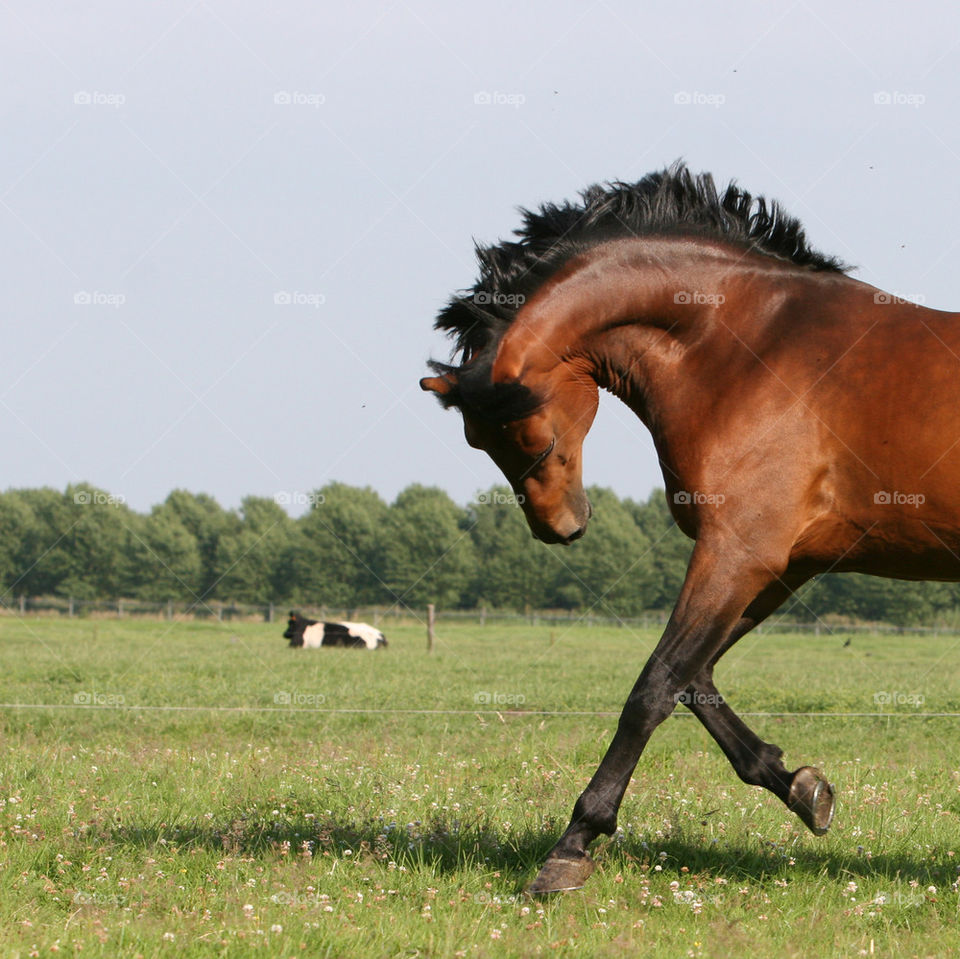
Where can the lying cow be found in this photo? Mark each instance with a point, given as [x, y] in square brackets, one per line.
[310, 634]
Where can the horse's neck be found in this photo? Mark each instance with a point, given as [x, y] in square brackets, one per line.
[631, 313]
[632, 319]
[584, 312]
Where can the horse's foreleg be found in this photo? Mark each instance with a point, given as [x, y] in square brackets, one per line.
[717, 590]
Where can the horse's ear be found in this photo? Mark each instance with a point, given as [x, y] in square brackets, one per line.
[441, 385]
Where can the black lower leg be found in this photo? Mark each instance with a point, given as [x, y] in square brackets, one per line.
[756, 762]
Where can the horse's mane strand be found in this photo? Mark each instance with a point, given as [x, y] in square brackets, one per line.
[670, 202]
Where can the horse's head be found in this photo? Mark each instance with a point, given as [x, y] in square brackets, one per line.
[532, 424]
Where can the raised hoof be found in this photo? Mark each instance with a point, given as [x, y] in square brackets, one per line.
[561, 875]
[811, 798]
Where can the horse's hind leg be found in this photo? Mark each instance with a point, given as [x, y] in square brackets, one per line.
[756, 762]
[721, 582]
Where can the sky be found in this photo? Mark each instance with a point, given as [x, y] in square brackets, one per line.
[226, 227]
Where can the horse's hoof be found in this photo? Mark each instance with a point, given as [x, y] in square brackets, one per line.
[561, 875]
[811, 798]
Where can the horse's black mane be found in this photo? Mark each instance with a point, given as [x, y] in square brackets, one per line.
[670, 202]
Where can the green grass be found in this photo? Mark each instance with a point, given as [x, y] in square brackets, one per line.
[223, 795]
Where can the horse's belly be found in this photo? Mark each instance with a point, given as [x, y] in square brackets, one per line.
[900, 543]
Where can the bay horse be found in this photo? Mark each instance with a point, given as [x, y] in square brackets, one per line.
[805, 422]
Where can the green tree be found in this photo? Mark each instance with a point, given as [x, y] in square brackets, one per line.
[610, 570]
[339, 556]
[168, 559]
[209, 525]
[16, 517]
[512, 570]
[253, 558]
[670, 549]
[428, 555]
[43, 558]
[97, 540]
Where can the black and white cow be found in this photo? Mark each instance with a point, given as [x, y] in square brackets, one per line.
[310, 634]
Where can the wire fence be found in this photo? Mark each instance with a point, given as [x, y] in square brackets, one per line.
[219, 611]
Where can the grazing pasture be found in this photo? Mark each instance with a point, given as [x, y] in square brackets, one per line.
[198, 789]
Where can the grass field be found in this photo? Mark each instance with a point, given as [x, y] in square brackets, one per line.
[187, 789]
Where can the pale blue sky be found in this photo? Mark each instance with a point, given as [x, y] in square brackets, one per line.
[170, 172]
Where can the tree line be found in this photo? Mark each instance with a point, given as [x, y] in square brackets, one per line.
[352, 549]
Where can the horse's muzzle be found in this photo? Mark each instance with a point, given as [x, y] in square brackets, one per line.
[551, 535]
[574, 536]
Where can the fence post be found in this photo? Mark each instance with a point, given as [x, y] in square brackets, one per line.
[430, 621]
[270, 614]
[170, 609]
[119, 609]
[483, 615]
[23, 604]
[70, 608]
